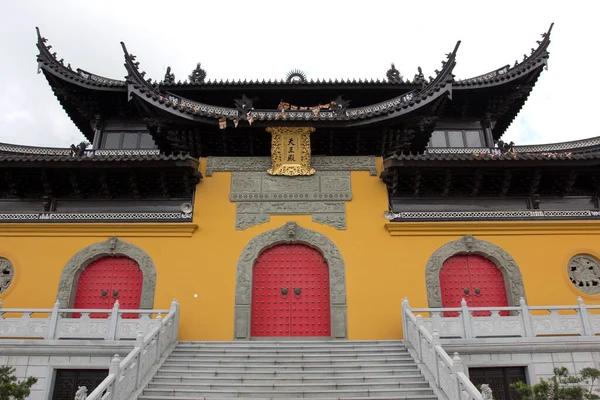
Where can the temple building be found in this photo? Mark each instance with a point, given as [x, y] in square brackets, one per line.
[297, 215]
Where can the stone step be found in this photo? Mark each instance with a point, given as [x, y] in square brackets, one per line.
[288, 394]
[356, 373]
[266, 379]
[279, 386]
[369, 396]
[287, 351]
[329, 345]
[295, 369]
[278, 359]
[289, 364]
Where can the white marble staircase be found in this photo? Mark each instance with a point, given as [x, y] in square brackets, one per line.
[289, 370]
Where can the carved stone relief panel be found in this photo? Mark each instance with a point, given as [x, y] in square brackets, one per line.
[584, 273]
[290, 233]
[260, 195]
[470, 245]
[7, 274]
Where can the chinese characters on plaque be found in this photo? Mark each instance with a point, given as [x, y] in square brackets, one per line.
[290, 151]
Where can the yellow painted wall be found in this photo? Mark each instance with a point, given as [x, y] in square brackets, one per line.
[383, 265]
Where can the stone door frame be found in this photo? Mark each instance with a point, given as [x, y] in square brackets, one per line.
[113, 247]
[287, 234]
[515, 289]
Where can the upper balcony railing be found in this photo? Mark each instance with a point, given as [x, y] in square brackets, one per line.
[57, 151]
[520, 321]
[578, 146]
[153, 334]
[59, 323]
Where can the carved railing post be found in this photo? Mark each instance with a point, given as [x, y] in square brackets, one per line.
[115, 369]
[466, 319]
[435, 342]
[158, 336]
[585, 318]
[139, 343]
[405, 307]
[53, 322]
[175, 309]
[526, 317]
[418, 327]
[113, 322]
[457, 366]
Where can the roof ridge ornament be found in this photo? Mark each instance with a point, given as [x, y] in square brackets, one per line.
[198, 75]
[169, 77]
[393, 75]
[295, 76]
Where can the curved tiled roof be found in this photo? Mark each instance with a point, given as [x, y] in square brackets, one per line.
[49, 62]
[537, 58]
[189, 109]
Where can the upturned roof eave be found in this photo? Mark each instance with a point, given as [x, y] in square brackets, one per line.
[49, 62]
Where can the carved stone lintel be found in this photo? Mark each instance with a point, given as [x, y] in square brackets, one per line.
[337, 275]
[319, 163]
[470, 245]
[113, 247]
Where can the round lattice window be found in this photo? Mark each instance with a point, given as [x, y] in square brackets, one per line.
[7, 273]
[584, 273]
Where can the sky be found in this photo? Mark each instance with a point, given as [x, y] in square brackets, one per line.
[325, 39]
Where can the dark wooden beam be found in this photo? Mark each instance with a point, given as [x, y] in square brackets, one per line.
[506, 178]
[535, 181]
[134, 185]
[417, 183]
[477, 179]
[570, 181]
[447, 183]
[75, 187]
[46, 184]
[104, 185]
[163, 184]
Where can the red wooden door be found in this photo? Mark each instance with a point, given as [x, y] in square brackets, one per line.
[474, 278]
[107, 280]
[290, 293]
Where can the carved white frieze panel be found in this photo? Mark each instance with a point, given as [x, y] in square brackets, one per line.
[321, 195]
[260, 195]
[584, 273]
[7, 274]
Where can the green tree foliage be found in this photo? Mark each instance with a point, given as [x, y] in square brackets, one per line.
[562, 386]
[10, 388]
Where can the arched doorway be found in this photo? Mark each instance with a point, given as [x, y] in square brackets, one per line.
[474, 278]
[290, 293]
[469, 245]
[111, 248]
[106, 281]
[291, 234]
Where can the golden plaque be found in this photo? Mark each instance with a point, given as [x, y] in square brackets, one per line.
[290, 151]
